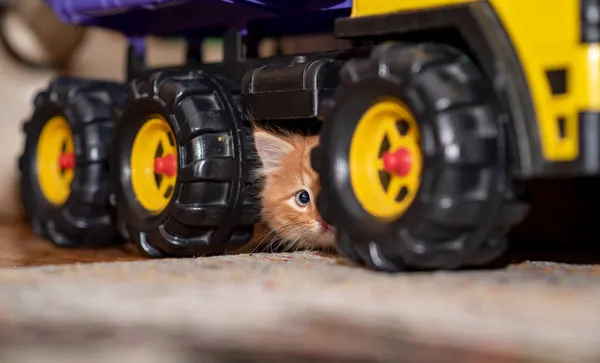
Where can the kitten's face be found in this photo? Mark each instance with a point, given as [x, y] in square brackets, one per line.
[290, 191]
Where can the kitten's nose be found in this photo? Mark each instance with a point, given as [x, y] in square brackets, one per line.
[324, 225]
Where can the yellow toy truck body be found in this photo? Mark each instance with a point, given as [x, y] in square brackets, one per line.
[543, 54]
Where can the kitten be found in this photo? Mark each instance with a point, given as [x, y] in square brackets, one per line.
[288, 196]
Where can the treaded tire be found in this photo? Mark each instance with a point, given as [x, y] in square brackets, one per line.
[86, 219]
[213, 206]
[465, 204]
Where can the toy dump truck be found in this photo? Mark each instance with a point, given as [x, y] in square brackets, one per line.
[429, 121]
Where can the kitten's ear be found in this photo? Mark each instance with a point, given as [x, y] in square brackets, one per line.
[271, 149]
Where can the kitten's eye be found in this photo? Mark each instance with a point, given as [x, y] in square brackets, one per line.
[302, 198]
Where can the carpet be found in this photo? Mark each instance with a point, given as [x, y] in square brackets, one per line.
[296, 307]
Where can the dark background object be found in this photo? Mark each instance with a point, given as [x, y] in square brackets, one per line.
[33, 36]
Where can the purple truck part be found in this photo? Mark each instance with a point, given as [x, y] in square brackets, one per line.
[171, 17]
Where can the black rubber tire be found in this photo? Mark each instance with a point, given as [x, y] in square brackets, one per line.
[213, 207]
[86, 219]
[465, 204]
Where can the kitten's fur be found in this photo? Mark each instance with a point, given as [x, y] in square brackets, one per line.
[285, 171]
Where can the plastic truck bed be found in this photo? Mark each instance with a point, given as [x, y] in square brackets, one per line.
[165, 17]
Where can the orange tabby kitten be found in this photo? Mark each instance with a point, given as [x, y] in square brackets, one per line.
[290, 187]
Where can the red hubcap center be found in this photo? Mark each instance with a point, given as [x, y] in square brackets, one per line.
[66, 161]
[398, 162]
[166, 165]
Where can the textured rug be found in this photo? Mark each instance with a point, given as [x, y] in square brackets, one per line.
[296, 307]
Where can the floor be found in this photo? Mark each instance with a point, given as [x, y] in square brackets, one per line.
[295, 307]
[113, 305]
[20, 247]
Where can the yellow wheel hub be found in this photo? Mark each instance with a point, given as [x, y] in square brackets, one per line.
[386, 160]
[55, 160]
[154, 164]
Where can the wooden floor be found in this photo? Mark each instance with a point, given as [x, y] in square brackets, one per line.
[20, 247]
